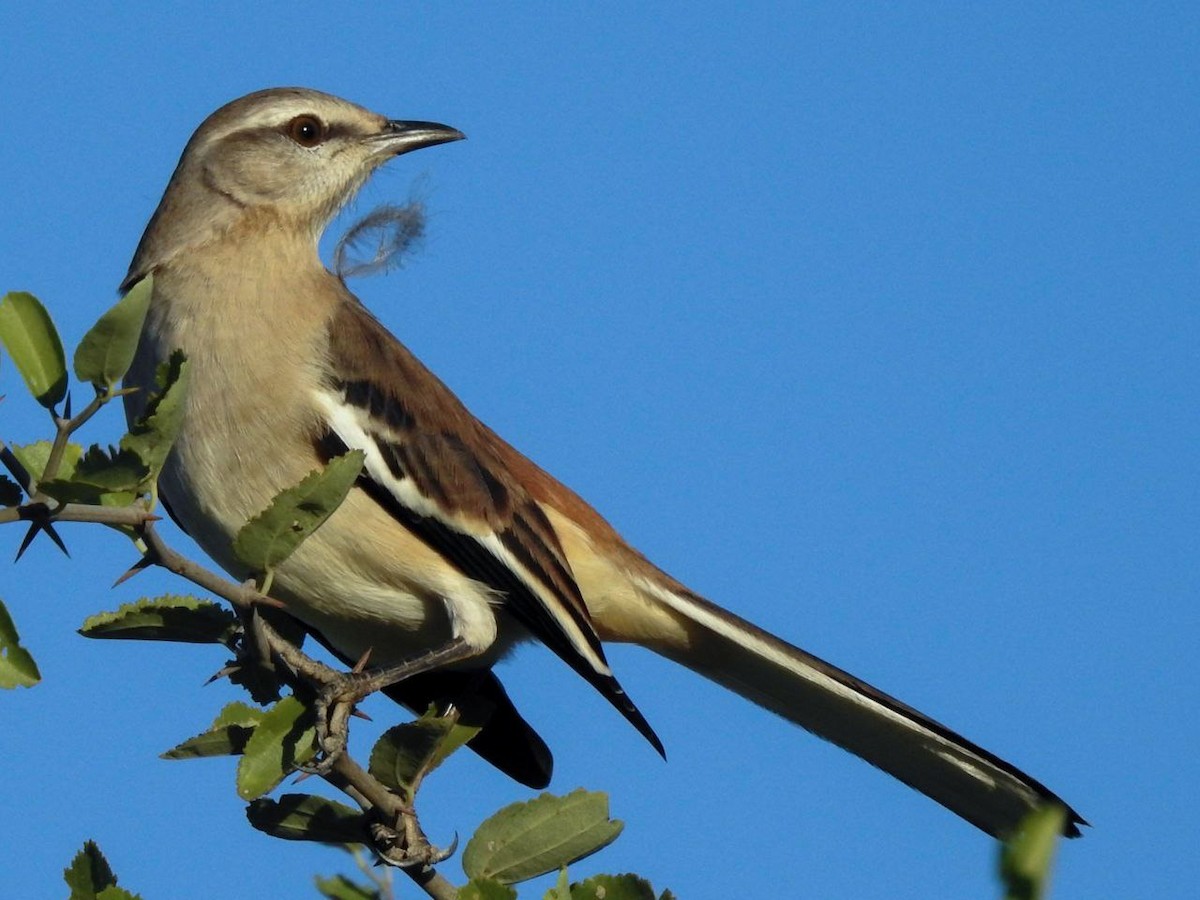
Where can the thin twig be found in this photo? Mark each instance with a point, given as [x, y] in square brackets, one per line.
[65, 427]
[119, 516]
[239, 595]
[432, 883]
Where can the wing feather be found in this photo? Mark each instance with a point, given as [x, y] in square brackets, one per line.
[432, 466]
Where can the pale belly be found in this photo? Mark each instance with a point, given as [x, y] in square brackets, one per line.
[361, 579]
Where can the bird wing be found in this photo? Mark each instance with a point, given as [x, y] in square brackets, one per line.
[430, 465]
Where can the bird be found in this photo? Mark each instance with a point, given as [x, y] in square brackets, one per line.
[452, 547]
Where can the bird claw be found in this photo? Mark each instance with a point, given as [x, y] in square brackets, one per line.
[407, 845]
[334, 705]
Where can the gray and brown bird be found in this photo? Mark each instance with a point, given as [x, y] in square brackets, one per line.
[452, 547]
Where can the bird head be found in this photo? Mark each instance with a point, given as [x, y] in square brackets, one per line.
[294, 154]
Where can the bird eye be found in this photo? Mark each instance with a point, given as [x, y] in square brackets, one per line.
[307, 131]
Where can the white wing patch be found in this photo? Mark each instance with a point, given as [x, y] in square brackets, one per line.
[353, 426]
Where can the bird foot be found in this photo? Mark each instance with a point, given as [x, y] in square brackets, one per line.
[406, 845]
[340, 693]
[334, 705]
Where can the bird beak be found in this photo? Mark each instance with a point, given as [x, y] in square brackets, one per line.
[400, 137]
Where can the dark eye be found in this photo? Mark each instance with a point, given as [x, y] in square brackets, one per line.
[307, 131]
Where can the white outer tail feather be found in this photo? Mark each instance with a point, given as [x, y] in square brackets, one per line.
[966, 779]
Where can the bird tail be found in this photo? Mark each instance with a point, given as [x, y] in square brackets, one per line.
[980, 787]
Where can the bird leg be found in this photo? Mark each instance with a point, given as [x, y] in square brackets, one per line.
[406, 845]
[337, 698]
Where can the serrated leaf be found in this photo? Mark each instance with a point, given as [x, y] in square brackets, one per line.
[10, 492]
[152, 435]
[339, 887]
[106, 351]
[271, 536]
[238, 713]
[171, 617]
[31, 339]
[1026, 857]
[17, 668]
[406, 753]
[307, 817]
[89, 873]
[115, 893]
[613, 887]
[285, 738]
[35, 456]
[99, 475]
[228, 740]
[114, 469]
[227, 736]
[528, 839]
[486, 889]
[260, 681]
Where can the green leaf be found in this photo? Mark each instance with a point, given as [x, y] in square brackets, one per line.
[115, 893]
[406, 753]
[271, 536]
[260, 681]
[106, 351]
[17, 668]
[10, 492]
[285, 738]
[339, 887]
[613, 887]
[152, 435]
[528, 839]
[237, 713]
[486, 889]
[1026, 857]
[171, 617]
[89, 873]
[114, 474]
[115, 469]
[307, 817]
[227, 736]
[32, 341]
[34, 458]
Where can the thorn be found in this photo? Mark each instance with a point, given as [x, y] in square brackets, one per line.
[359, 714]
[49, 529]
[223, 672]
[34, 528]
[303, 776]
[139, 566]
[150, 518]
[362, 661]
[67, 407]
[264, 600]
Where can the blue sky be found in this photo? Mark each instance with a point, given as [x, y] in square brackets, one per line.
[877, 325]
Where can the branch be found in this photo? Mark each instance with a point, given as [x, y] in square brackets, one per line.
[134, 516]
[397, 823]
[65, 427]
[346, 774]
[242, 596]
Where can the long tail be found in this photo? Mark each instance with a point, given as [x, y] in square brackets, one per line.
[979, 786]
